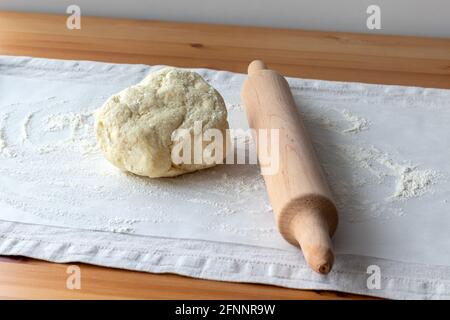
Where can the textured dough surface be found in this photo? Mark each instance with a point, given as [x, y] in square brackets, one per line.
[134, 127]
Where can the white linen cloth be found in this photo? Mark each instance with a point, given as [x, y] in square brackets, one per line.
[383, 148]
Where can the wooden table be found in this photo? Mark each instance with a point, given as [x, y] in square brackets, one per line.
[308, 54]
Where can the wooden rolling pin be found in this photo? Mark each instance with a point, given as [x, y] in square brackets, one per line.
[301, 199]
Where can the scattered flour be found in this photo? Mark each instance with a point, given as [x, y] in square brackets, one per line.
[413, 182]
[3, 143]
[257, 232]
[25, 125]
[357, 123]
[235, 107]
[118, 225]
[81, 132]
[61, 121]
[5, 149]
[410, 181]
[352, 123]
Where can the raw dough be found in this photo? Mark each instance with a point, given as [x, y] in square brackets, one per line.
[134, 127]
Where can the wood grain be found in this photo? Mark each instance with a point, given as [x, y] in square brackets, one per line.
[317, 55]
[23, 278]
[308, 54]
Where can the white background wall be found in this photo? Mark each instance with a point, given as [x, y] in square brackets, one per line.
[407, 17]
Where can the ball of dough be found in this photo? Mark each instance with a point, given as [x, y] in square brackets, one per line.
[134, 127]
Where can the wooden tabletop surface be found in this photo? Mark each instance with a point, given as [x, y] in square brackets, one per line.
[308, 54]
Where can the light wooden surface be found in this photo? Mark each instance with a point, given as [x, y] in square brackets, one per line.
[321, 55]
[301, 199]
[23, 278]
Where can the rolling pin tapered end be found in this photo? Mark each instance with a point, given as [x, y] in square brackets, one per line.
[255, 66]
[311, 231]
[321, 260]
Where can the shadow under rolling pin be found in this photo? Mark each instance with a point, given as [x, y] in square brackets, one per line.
[301, 199]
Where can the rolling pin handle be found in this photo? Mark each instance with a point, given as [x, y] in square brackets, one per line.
[255, 66]
[310, 229]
